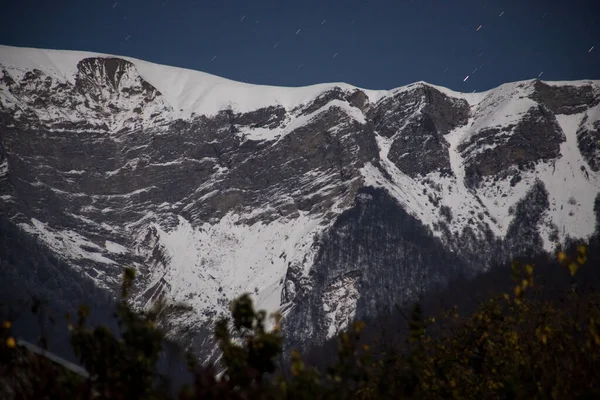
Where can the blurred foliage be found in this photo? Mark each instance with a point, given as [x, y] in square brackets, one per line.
[514, 346]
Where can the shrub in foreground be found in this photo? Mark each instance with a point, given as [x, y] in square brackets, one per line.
[515, 346]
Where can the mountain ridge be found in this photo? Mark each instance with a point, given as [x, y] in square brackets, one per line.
[64, 62]
[272, 192]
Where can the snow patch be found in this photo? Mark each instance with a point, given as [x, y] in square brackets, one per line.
[593, 115]
[502, 107]
[67, 243]
[115, 248]
[82, 218]
[339, 303]
[4, 168]
[211, 264]
[572, 190]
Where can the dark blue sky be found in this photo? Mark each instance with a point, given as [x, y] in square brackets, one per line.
[380, 44]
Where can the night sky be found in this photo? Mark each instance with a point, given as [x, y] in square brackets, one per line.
[375, 44]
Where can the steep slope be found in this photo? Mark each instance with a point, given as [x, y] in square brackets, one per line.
[327, 202]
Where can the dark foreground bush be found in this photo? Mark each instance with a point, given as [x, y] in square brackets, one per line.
[515, 346]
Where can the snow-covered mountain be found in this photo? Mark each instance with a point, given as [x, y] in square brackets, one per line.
[326, 202]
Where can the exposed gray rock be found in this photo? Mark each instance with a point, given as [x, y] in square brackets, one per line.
[422, 150]
[268, 117]
[357, 98]
[588, 141]
[503, 152]
[523, 238]
[417, 120]
[98, 75]
[565, 99]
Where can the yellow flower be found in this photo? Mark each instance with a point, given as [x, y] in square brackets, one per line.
[518, 301]
[7, 324]
[11, 342]
[573, 268]
[561, 256]
[543, 333]
[529, 269]
[359, 326]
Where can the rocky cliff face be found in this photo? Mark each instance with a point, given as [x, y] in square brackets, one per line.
[327, 202]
